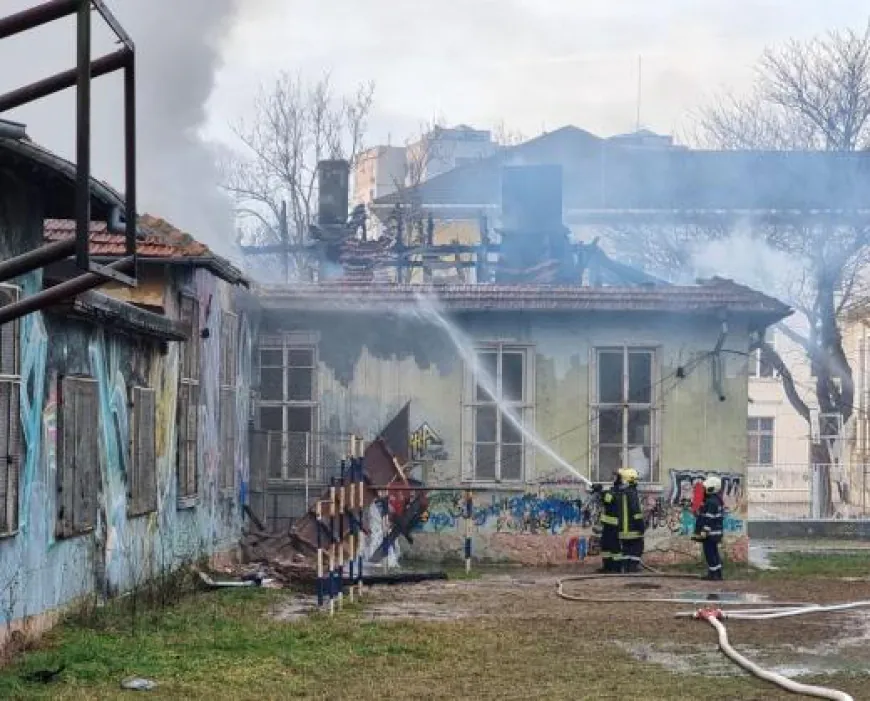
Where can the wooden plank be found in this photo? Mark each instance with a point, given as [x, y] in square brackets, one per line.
[142, 486]
[87, 455]
[228, 437]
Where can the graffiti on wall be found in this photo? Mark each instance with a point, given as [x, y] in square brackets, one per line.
[551, 514]
[688, 485]
[426, 444]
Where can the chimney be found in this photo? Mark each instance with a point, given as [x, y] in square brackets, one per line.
[531, 198]
[332, 183]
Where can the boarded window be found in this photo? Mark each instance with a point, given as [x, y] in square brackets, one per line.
[229, 344]
[10, 420]
[188, 402]
[142, 476]
[78, 456]
[188, 431]
[228, 437]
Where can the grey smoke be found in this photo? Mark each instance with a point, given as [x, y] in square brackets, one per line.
[178, 50]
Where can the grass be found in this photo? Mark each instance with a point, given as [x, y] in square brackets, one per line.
[224, 644]
[834, 564]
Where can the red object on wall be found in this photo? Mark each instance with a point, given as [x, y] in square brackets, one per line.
[697, 496]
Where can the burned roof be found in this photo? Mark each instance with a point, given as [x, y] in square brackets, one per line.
[158, 240]
[707, 297]
[603, 175]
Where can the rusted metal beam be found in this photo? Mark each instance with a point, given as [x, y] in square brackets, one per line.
[130, 193]
[113, 23]
[61, 81]
[59, 293]
[83, 134]
[36, 16]
[37, 258]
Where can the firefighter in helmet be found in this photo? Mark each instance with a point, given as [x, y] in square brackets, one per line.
[708, 526]
[630, 522]
[608, 528]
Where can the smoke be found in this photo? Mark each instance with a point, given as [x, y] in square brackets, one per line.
[178, 47]
[748, 260]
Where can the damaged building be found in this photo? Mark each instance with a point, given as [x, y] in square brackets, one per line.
[600, 365]
[123, 411]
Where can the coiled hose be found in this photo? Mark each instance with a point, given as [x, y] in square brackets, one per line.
[714, 615]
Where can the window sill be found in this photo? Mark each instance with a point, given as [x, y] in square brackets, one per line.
[76, 534]
[8, 535]
[186, 503]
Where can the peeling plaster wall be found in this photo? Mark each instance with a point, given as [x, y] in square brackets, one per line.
[40, 574]
[370, 366]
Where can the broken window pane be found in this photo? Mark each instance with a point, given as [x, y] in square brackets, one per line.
[487, 363]
[609, 461]
[640, 377]
[484, 462]
[639, 459]
[300, 384]
[485, 430]
[639, 422]
[512, 376]
[610, 426]
[511, 462]
[610, 377]
[272, 384]
[298, 454]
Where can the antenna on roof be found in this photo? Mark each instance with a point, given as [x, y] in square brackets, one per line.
[639, 85]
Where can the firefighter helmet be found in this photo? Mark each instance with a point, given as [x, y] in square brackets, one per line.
[629, 475]
[713, 483]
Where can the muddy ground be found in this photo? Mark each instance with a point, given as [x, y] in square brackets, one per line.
[647, 630]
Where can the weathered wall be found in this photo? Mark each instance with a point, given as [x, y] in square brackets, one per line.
[371, 366]
[40, 574]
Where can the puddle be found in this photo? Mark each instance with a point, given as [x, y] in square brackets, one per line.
[419, 611]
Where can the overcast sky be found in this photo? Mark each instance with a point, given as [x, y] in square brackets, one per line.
[532, 63]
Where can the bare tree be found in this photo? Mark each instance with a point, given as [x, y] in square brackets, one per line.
[505, 136]
[296, 125]
[809, 95]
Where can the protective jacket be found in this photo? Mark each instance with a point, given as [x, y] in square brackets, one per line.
[630, 515]
[709, 519]
[609, 520]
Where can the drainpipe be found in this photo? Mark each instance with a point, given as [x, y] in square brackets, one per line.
[718, 363]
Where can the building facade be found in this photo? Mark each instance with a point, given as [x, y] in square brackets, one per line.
[522, 393]
[123, 416]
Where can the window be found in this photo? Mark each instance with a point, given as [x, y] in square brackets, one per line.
[499, 405]
[623, 425]
[78, 456]
[10, 419]
[188, 403]
[229, 327]
[142, 476]
[288, 410]
[760, 431]
[758, 367]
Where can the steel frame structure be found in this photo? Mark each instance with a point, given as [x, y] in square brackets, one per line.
[93, 274]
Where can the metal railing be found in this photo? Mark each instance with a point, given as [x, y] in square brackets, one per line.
[803, 491]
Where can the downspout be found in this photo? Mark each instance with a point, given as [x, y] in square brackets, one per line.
[718, 363]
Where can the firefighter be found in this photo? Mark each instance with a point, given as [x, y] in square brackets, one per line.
[631, 522]
[611, 556]
[708, 526]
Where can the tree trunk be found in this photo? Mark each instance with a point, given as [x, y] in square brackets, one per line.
[820, 460]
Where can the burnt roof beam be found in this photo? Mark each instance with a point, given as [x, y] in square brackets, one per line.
[37, 16]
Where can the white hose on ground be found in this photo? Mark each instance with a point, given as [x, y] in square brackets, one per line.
[819, 692]
[758, 615]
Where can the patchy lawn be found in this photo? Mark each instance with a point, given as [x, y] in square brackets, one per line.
[496, 636]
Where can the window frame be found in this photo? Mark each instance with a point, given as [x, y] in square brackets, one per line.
[756, 364]
[596, 407]
[525, 407]
[11, 430]
[188, 404]
[142, 488]
[758, 433]
[287, 344]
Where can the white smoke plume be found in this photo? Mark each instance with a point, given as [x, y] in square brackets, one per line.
[178, 48]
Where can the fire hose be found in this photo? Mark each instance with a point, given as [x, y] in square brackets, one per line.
[714, 617]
